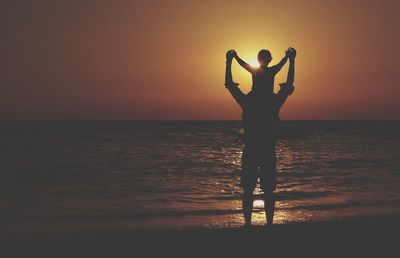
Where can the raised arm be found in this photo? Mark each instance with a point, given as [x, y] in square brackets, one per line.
[292, 56]
[236, 93]
[276, 68]
[287, 88]
[243, 63]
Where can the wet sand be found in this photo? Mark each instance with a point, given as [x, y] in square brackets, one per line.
[367, 235]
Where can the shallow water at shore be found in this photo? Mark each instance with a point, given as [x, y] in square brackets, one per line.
[148, 175]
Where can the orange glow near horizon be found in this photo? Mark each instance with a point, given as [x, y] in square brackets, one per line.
[166, 59]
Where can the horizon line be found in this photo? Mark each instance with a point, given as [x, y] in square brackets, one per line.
[189, 120]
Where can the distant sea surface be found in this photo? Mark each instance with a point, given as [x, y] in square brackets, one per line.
[80, 176]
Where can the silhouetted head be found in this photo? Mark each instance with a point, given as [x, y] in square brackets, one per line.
[264, 57]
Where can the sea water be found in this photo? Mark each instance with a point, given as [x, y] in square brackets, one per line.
[80, 176]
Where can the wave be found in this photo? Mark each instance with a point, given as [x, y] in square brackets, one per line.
[297, 195]
[190, 213]
[349, 204]
[360, 161]
[129, 216]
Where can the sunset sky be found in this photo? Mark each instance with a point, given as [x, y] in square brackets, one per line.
[149, 60]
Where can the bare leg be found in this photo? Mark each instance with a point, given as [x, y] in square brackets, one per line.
[247, 206]
[269, 205]
[269, 185]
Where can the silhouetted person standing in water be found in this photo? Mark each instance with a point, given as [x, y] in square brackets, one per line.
[260, 116]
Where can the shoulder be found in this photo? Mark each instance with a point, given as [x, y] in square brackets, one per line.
[270, 69]
[274, 68]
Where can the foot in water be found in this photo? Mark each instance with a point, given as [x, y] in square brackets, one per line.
[268, 225]
[247, 225]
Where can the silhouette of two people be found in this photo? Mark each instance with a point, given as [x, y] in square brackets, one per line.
[260, 115]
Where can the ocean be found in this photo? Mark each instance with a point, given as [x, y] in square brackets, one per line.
[99, 176]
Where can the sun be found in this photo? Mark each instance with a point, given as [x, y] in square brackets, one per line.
[254, 63]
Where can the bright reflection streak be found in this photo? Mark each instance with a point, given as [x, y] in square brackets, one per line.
[282, 214]
[258, 204]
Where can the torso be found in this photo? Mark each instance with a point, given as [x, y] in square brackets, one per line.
[259, 120]
[264, 78]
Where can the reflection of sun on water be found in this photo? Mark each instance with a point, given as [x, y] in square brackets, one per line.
[258, 204]
[282, 214]
[258, 216]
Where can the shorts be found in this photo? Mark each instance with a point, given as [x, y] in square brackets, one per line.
[259, 162]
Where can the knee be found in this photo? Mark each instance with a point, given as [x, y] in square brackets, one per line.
[248, 191]
[269, 195]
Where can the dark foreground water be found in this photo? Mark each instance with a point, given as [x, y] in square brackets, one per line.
[79, 176]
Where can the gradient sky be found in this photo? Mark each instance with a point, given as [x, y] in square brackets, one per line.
[165, 59]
